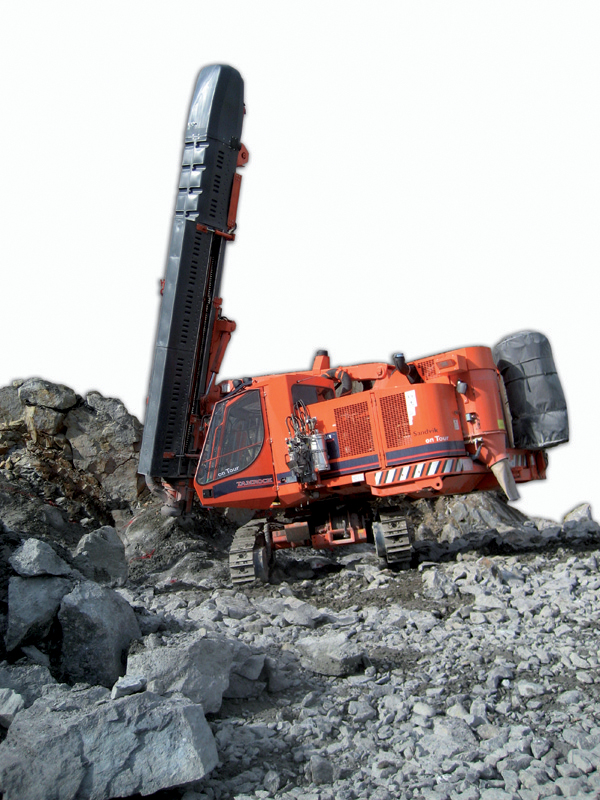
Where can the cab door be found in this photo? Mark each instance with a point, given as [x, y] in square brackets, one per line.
[236, 465]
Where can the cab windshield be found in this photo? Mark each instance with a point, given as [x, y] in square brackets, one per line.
[235, 438]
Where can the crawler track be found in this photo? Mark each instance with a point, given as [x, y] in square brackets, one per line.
[250, 555]
[392, 538]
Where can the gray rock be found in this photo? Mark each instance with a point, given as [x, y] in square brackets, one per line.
[84, 746]
[30, 681]
[195, 665]
[105, 440]
[581, 513]
[437, 585]
[32, 605]
[10, 704]
[35, 558]
[279, 674]
[236, 607]
[321, 770]
[584, 760]
[450, 737]
[11, 408]
[35, 655]
[495, 793]
[38, 392]
[529, 689]
[247, 670]
[272, 782]
[498, 674]
[43, 420]
[361, 711]
[128, 684]
[570, 697]
[98, 626]
[333, 654]
[100, 556]
[297, 612]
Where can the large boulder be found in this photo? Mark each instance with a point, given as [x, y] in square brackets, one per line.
[11, 407]
[100, 556]
[28, 680]
[35, 558]
[98, 626]
[82, 745]
[43, 420]
[194, 664]
[39, 392]
[105, 441]
[32, 606]
[448, 519]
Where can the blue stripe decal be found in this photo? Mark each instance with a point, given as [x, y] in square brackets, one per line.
[352, 465]
[424, 452]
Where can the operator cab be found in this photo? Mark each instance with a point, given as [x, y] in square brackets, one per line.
[235, 438]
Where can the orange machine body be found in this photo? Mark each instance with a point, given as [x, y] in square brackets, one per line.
[386, 435]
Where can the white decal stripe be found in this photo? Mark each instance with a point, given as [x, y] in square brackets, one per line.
[428, 468]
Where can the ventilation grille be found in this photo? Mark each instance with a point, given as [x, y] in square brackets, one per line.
[355, 435]
[395, 421]
[217, 202]
[190, 302]
[426, 368]
[177, 395]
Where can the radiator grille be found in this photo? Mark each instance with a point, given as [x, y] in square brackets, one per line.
[355, 435]
[395, 420]
[426, 368]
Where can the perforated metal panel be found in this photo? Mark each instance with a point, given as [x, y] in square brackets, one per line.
[395, 420]
[355, 435]
[426, 368]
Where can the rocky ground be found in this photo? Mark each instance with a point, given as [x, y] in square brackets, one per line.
[131, 667]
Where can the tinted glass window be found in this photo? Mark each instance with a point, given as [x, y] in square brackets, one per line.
[234, 440]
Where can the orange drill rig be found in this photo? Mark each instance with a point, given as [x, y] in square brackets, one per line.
[319, 456]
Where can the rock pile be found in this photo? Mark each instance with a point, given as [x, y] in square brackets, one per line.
[132, 668]
[77, 455]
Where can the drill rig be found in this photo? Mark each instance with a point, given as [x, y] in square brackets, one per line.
[323, 456]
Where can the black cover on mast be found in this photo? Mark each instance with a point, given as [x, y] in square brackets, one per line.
[212, 143]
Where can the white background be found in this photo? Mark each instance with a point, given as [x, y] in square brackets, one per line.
[422, 176]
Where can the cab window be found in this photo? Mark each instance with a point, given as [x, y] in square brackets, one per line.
[235, 438]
